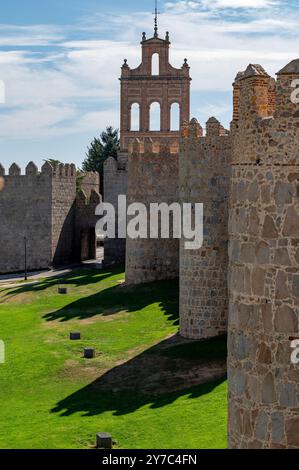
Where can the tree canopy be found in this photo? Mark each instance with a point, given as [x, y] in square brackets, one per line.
[107, 145]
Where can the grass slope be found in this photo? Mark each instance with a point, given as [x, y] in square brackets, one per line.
[53, 398]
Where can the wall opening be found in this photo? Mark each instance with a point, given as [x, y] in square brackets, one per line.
[135, 117]
[155, 64]
[88, 244]
[155, 117]
[175, 117]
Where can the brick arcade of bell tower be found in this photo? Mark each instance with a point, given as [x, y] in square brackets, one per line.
[164, 86]
[153, 155]
[146, 85]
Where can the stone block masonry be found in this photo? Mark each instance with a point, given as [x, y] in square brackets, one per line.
[25, 211]
[63, 213]
[40, 206]
[264, 262]
[204, 177]
[152, 178]
[115, 184]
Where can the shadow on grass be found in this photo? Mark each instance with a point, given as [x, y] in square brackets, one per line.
[108, 301]
[123, 298]
[150, 378]
[78, 278]
[214, 348]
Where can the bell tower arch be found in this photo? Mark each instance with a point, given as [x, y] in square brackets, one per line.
[154, 81]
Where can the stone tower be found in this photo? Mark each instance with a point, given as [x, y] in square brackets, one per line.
[153, 162]
[45, 207]
[204, 177]
[144, 86]
[264, 261]
[164, 86]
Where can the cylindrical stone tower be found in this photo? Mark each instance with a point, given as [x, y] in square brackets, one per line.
[204, 178]
[264, 263]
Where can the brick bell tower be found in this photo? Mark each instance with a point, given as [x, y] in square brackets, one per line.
[163, 86]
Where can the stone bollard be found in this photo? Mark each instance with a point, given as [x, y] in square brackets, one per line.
[89, 353]
[104, 440]
[62, 290]
[75, 335]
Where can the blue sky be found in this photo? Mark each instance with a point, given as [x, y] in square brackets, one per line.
[60, 62]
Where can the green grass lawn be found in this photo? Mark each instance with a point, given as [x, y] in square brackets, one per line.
[51, 397]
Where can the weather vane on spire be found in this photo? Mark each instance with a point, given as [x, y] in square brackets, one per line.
[156, 18]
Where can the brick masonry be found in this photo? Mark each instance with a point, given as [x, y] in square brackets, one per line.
[140, 86]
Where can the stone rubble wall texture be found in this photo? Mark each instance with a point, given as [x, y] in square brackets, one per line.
[90, 182]
[87, 200]
[63, 214]
[25, 210]
[264, 260]
[204, 177]
[152, 178]
[42, 207]
[115, 184]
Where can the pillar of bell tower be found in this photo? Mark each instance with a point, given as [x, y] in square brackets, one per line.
[164, 85]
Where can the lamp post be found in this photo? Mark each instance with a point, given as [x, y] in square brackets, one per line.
[25, 258]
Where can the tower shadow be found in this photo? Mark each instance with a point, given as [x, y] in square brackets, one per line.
[157, 377]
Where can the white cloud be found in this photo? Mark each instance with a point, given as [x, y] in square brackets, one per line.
[73, 86]
[252, 4]
[31, 35]
[181, 6]
[34, 121]
[218, 109]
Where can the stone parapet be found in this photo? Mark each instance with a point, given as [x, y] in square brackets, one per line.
[204, 177]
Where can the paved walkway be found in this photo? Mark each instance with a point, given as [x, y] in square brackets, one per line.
[14, 280]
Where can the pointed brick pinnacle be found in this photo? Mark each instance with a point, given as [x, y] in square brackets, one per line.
[239, 76]
[213, 120]
[195, 129]
[255, 70]
[47, 168]
[291, 68]
[31, 169]
[14, 170]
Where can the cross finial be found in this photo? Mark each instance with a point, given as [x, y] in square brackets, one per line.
[156, 19]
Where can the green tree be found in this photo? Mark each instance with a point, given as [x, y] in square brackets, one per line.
[53, 162]
[100, 149]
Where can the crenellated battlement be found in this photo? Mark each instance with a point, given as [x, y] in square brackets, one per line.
[43, 206]
[194, 130]
[113, 165]
[265, 126]
[148, 146]
[83, 200]
[60, 171]
[213, 147]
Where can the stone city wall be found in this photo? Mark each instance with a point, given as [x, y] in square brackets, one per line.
[152, 178]
[264, 260]
[205, 178]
